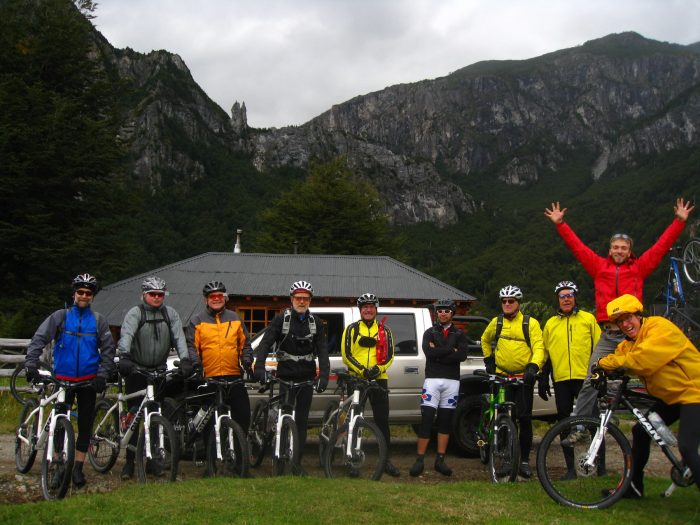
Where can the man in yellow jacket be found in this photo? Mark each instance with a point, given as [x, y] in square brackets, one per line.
[569, 338]
[669, 364]
[368, 351]
[512, 344]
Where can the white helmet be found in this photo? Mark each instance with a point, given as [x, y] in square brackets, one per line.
[511, 291]
[153, 284]
[571, 285]
[301, 286]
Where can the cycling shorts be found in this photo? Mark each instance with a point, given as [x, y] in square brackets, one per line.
[442, 393]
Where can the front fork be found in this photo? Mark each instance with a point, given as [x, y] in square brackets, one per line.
[53, 420]
[150, 396]
[278, 428]
[217, 430]
[597, 441]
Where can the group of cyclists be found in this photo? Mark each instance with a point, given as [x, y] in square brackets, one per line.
[216, 343]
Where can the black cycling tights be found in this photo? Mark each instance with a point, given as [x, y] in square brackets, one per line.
[86, 397]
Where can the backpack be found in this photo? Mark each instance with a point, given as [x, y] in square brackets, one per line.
[499, 328]
[288, 319]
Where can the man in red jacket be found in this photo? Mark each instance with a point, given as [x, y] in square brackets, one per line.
[621, 272]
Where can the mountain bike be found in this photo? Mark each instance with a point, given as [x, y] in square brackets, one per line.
[352, 446]
[497, 433]
[273, 424]
[157, 451]
[227, 445]
[54, 435]
[677, 306]
[580, 474]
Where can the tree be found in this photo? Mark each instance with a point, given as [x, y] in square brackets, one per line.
[331, 212]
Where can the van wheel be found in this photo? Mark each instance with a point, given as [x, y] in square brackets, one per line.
[466, 421]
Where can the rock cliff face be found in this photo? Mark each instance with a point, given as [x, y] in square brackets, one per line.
[423, 144]
[619, 97]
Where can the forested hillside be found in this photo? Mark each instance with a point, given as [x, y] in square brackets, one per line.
[114, 162]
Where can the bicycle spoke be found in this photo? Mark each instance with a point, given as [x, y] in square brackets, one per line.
[56, 474]
[504, 450]
[691, 261]
[366, 456]
[25, 453]
[104, 442]
[163, 464]
[234, 451]
[569, 475]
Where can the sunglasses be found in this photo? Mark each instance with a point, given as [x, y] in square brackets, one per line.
[444, 311]
[156, 294]
[566, 295]
[299, 298]
[216, 296]
[85, 293]
[508, 301]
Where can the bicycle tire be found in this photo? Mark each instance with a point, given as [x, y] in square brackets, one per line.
[328, 425]
[56, 474]
[20, 388]
[258, 439]
[568, 480]
[25, 453]
[234, 451]
[368, 457]
[691, 261]
[103, 450]
[165, 454]
[288, 457]
[504, 450]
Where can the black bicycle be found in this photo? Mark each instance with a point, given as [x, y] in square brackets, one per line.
[226, 450]
[595, 469]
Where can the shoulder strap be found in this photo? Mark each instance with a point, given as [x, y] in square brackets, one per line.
[356, 328]
[286, 321]
[499, 329]
[312, 324]
[62, 325]
[163, 311]
[526, 330]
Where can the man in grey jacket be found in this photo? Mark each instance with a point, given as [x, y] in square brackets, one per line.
[148, 332]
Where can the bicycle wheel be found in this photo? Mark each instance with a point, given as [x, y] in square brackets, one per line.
[104, 442]
[563, 470]
[20, 388]
[162, 467]
[257, 434]
[691, 261]
[288, 450]
[483, 435]
[234, 451]
[504, 450]
[328, 425]
[368, 452]
[25, 451]
[56, 474]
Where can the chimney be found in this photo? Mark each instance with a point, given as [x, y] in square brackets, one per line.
[296, 247]
[237, 246]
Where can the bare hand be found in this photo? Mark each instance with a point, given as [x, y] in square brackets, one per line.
[556, 214]
[683, 209]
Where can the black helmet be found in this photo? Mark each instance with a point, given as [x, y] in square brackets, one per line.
[213, 286]
[367, 298]
[445, 304]
[85, 280]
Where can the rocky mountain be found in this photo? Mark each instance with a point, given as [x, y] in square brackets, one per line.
[425, 144]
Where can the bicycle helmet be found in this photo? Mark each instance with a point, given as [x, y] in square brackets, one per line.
[367, 298]
[562, 285]
[213, 286]
[445, 304]
[511, 291]
[85, 280]
[153, 284]
[301, 286]
[625, 304]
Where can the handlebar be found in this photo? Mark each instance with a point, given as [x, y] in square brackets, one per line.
[500, 379]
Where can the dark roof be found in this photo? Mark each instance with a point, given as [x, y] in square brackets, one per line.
[270, 275]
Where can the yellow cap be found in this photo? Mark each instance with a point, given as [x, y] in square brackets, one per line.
[625, 304]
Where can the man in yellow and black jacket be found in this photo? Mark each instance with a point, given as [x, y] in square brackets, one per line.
[221, 341]
[368, 351]
[512, 344]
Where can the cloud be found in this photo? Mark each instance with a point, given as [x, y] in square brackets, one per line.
[290, 61]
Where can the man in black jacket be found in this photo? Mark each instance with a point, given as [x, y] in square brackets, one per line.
[444, 346]
[299, 339]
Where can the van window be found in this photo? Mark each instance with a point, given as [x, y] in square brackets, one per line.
[333, 324]
[403, 327]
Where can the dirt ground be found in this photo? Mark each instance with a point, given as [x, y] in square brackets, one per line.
[20, 488]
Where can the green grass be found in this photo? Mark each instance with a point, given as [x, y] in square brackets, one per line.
[315, 500]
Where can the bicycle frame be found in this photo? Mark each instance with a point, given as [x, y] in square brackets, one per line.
[353, 407]
[45, 431]
[622, 397]
[673, 291]
[497, 404]
[220, 411]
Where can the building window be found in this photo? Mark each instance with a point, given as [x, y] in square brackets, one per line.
[256, 318]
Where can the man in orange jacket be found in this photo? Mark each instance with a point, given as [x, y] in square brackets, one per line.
[658, 352]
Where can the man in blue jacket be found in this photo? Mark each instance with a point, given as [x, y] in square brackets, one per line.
[83, 350]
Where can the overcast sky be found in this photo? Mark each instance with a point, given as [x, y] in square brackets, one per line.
[291, 60]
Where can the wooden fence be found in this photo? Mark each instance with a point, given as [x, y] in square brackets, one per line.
[11, 352]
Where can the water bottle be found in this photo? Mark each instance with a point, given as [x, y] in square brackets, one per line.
[198, 417]
[125, 418]
[662, 429]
